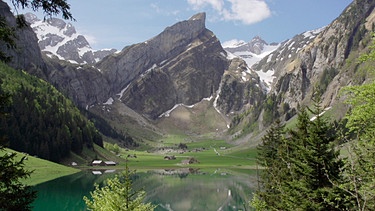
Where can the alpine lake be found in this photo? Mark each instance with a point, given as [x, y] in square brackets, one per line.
[224, 179]
[170, 189]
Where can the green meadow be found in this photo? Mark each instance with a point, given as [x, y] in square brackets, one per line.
[210, 155]
[42, 170]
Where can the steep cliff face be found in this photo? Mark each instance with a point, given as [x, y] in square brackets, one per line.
[83, 84]
[26, 55]
[183, 64]
[300, 63]
[239, 89]
[132, 61]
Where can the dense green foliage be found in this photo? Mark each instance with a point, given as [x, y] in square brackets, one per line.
[360, 166]
[13, 194]
[118, 195]
[301, 167]
[41, 120]
[268, 154]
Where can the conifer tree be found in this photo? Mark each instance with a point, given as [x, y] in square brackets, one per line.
[315, 165]
[268, 159]
[305, 169]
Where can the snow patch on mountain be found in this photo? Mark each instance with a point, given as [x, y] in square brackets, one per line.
[58, 38]
[252, 52]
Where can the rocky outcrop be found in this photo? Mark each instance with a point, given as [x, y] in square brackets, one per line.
[26, 55]
[134, 60]
[256, 46]
[183, 64]
[83, 84]
[240, 89]
[300, 63]
[61, 39]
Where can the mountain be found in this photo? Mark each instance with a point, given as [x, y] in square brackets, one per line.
[252, 52]
[184, 74]
[27, 56]
[300, 63]
[323, 60]
[60, 39]
[182, 65]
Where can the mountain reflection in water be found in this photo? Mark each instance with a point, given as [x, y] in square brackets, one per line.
[171, 189]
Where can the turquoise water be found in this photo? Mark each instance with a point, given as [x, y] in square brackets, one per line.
[176, 190]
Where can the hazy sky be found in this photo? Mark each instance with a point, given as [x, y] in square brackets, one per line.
[118, 23]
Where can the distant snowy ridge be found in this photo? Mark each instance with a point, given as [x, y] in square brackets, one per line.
[60, 39]
[252, 52]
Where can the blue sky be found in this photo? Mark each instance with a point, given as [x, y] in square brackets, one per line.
[118, 23]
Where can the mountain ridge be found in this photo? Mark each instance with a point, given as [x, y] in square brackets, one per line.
[186, 64]
[60, 39]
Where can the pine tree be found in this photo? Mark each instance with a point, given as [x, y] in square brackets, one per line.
[301, 167]
[315, 165]
[267, 158]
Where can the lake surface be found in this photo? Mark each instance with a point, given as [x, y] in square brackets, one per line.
[177, 190]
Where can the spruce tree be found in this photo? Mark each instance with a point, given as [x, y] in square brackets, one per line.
[301, 167]
[267, 158]
[315, 166]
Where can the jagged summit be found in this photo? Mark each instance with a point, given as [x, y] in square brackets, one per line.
[252, 52]
[60, 39]
[183, 64]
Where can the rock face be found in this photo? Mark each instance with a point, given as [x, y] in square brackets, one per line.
[83, 84]
[26, 55]
[252, 52]
[60, 39]
[302, 63]
[183, 64]
[239, 89]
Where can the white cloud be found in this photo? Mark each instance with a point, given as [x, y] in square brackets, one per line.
[159, 10]
[245, 11]
[216, 4]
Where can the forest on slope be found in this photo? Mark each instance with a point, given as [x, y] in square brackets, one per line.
[40, 120]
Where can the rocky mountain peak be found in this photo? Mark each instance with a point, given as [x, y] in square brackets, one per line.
[200, 17]
[59, 38]
[252, 52]
[31, 18]
[181, 65]
[255, 46]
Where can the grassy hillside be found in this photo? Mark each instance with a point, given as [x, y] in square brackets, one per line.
[43, 170]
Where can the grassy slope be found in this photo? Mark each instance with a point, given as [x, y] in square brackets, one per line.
[43, 170]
